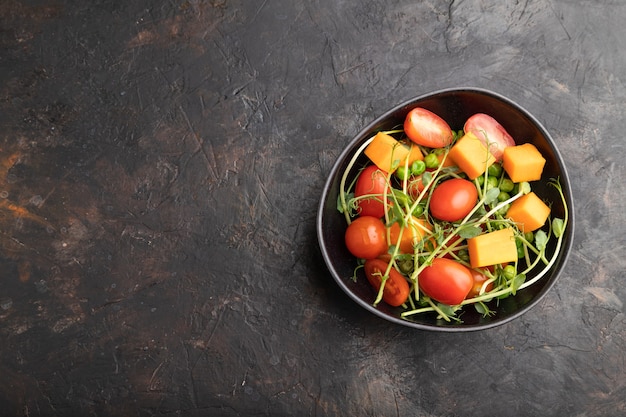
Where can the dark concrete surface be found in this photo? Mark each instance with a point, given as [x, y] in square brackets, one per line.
[161, 163]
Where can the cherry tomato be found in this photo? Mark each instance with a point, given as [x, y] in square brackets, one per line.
[479, 280]
[427, 129]
[453, 199]
[366, 237]
[371, 180]
[396, 290]
[446, 281]
[416, 230]
[490, 132]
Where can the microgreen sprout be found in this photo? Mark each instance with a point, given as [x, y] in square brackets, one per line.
[407, 195]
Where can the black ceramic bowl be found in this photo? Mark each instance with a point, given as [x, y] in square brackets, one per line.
[454, 106]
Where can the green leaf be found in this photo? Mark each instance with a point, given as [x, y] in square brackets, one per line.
[517, 282]
[541, 240]
[438, 233]
[447, 309]
[482, 308]
[468, 232]
[400, 196]
[524, 187]
[492, 195]
[427, 177]
[340, 207]
[397, 216]
[558, 227]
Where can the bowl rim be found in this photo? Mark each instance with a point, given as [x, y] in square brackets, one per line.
[448, 328]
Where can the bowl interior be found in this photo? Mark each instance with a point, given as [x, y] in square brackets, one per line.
[454, 106]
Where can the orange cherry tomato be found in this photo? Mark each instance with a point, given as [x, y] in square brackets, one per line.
[416, 230]
[479, 280]
[427, 129]
[366, 237]
[446, 281]
[396, 290]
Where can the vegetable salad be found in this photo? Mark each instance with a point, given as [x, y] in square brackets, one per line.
[442, 220]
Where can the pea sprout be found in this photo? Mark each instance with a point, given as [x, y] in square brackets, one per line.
[407, 194]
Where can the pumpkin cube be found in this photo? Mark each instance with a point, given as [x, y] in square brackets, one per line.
[471, 155]
[529, 212]
[523, 162]
[492, 248]
[386, 152]
[415, 154]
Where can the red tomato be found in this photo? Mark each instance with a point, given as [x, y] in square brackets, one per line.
[446, 281]
[453, 199]
[396, 290]
[371, 181]
[479, 280]
[427, 129]
[490, 132]
[366, 237]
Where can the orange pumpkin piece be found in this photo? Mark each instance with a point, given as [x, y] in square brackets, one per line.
[492, 248]
[471, 155]
[415, 154]
[529, 212]
[386, 152]
[448, 162]
[523, 162]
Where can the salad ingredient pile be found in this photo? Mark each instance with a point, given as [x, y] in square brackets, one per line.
[440, 219]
